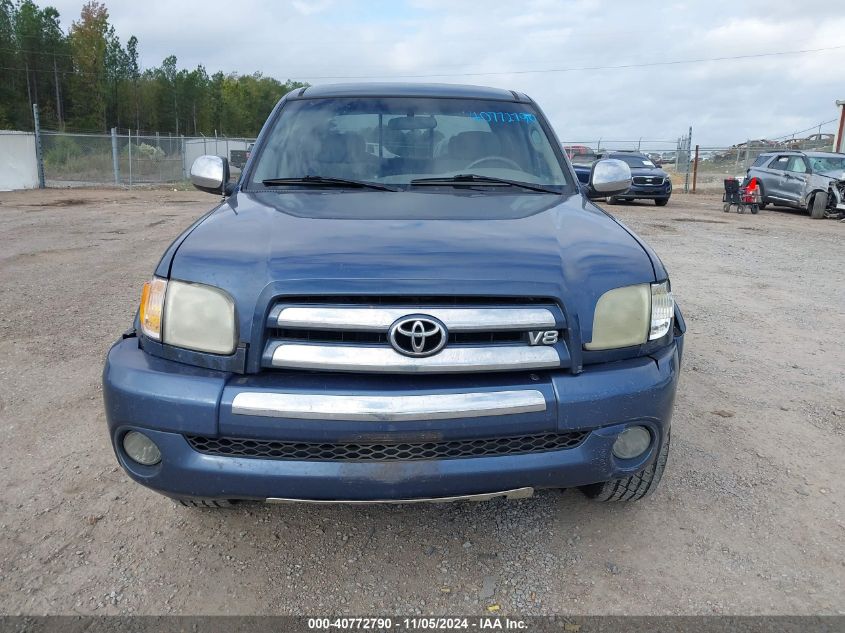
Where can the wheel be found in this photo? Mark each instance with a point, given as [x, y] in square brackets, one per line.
[755, 208]
[740, 208]
[818, 207]
[634, 487]
[763, 205]
[612, 200]
[205, 503]
[726, 207]
[661, 202]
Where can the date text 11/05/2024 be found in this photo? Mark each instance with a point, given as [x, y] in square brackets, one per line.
[484, 623]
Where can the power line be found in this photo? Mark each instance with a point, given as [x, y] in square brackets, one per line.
[30, 52]
[675, 62]
[50, 71]
[814, 127]
[583, 68]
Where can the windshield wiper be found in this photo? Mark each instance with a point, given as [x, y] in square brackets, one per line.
[475, 179]
[326, 181]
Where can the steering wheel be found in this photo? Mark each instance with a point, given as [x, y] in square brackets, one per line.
[489, 159]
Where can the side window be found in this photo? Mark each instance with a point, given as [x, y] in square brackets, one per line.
[761, 160]
[797, 165]
[779, 163]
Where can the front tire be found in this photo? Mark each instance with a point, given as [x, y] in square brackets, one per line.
[661, 202]
[631, 488]
[818, 208]
[612, 200]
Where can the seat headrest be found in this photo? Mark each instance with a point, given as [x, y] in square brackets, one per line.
[337, 147]
[473, 145]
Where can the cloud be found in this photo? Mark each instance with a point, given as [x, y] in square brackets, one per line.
[725, 102]
[309, 7]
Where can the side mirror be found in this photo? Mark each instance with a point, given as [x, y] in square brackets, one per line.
[210, 174]
[609, 177]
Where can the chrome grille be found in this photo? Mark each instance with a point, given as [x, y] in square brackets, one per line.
[351, 334]
[648, 180]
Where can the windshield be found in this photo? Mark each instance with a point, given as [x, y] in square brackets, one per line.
[396, 140]
[827, 163]
[633, 160]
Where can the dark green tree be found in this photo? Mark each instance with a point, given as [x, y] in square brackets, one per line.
[86, 80]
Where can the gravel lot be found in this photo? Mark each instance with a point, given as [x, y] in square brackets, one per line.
[748, 519]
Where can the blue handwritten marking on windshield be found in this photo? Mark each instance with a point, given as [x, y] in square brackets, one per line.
[504, 117]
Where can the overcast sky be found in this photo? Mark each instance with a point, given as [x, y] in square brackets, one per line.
[323, 41]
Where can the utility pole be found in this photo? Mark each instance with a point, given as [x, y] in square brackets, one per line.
[115, 156]
[58, 94]
[695, 169]
[39, 154]
[28, 87]
[838, 140]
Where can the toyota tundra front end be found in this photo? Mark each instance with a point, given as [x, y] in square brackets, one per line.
[406, 296]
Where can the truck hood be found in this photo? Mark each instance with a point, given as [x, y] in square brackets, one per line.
[260, 245]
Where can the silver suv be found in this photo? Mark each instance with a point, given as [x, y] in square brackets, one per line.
[811, 181]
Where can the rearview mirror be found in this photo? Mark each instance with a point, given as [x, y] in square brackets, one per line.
[609, 177]
[210, 174]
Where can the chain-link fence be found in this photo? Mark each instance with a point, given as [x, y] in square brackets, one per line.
[674, 156]
[129, 159]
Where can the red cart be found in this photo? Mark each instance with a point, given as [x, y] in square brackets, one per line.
[741, 195]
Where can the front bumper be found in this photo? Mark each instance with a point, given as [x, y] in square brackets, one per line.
[168, 401]
[649, 192]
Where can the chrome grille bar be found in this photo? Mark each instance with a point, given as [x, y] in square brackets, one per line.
[368, 319]
[387, 408]
[385, 360]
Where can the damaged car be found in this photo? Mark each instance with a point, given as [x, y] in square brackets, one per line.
[810, 181]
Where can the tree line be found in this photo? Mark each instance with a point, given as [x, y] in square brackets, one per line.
[87, 80]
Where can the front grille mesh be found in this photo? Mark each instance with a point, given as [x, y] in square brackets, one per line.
[304, 451]
[324, 333]
[648, 180]
[380, 338]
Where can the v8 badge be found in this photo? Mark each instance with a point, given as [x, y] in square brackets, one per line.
[540, 337]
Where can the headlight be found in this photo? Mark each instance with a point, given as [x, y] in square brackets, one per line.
[189, 315]
[632, 315]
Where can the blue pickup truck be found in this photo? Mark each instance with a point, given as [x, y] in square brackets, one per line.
[406, 296]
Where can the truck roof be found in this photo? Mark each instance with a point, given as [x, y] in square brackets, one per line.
[385, 89]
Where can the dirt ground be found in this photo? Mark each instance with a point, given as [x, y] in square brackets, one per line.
[748, 519]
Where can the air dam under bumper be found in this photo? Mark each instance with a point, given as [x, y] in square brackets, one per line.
[168, 401]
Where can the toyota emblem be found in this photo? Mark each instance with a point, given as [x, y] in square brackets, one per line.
[418, 335]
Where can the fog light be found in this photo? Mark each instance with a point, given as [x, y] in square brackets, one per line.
[141, 448]
[632, 442]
